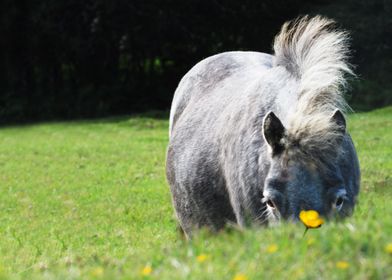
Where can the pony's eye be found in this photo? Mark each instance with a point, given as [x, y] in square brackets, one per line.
[339, 203]
[271, 204]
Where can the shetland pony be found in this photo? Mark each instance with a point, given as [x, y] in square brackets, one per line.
[256, 138]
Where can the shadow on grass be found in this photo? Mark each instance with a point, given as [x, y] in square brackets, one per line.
[157, 115]
[153, 114]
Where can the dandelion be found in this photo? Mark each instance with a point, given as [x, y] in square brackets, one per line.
[240, 276]
[272, 248]
[96, 272]
[146, 270]
[310, 219]
[342, 265]
[388, 248]
[201, 258]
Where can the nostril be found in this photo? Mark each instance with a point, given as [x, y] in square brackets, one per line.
[271, 204]
[339, 202]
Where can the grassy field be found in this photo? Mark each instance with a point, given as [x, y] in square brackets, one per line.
[82, 200]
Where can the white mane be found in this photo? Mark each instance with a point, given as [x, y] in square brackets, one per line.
[315, 53]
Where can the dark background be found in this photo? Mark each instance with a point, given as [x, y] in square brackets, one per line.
[81, 59]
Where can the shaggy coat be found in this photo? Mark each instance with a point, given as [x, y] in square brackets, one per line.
[255, 138]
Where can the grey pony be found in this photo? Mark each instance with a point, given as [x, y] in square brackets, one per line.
[256, 138]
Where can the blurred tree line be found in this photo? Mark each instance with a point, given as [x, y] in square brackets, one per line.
[77, 59]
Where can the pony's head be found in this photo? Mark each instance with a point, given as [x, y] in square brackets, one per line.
[304, 172]
[306, 156]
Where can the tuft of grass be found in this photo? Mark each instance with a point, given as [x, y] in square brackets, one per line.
[89, 200]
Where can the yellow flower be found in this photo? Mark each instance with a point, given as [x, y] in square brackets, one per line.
[240, 276]
[272, 248]
[342, 265]
[146, 270]
[97, 272]
[388, 248]
[311, 218]
[201, 258]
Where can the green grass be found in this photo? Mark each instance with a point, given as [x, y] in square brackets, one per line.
[83, 200]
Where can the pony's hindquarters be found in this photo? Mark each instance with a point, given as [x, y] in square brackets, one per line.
[202, 113]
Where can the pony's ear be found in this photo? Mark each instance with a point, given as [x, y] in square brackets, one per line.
[339, 119]
[273, 131]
